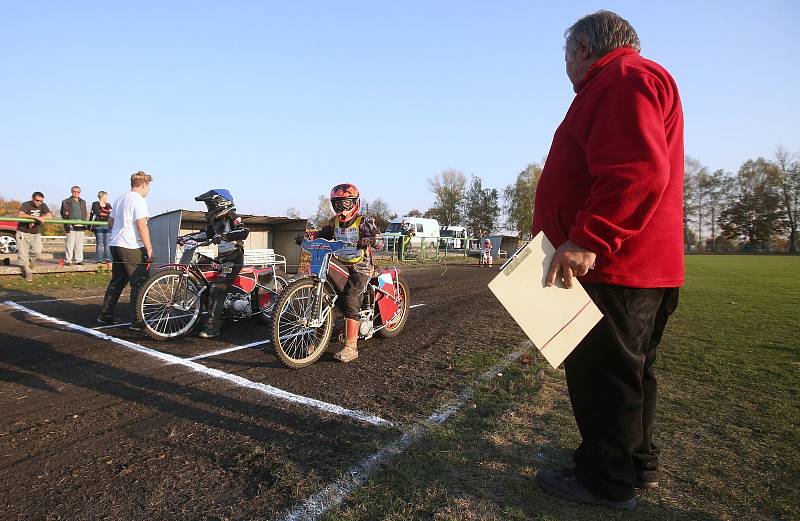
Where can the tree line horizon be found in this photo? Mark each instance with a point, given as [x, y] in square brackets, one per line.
[755, 209]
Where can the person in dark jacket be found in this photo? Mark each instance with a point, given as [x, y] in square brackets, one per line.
[224, 229]
[74, 208]
[610, 200]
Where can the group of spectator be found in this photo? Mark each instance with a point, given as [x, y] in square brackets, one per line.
[73, 208]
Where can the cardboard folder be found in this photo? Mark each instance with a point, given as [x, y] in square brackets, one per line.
[556, 319]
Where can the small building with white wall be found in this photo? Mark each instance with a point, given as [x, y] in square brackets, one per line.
[276, 233]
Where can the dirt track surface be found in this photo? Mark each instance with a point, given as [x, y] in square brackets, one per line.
[90, 429]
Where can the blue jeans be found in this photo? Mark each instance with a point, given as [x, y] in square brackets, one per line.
[101, 236]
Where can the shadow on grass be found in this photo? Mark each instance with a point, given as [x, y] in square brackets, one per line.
[481, 465]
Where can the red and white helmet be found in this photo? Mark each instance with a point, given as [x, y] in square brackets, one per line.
[345, 201]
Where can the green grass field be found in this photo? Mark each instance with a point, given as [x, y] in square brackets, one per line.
[729, 372]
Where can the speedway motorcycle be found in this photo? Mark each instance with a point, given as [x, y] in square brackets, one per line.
[172, 300]
[302, 320]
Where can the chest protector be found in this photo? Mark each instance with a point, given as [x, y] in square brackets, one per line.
[225, 247]
[350, 234]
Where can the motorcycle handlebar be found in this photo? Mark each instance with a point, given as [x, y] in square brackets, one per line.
[196, 244]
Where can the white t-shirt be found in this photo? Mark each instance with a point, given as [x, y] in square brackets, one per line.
[127, 210]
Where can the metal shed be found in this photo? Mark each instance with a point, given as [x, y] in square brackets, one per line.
[276, 233]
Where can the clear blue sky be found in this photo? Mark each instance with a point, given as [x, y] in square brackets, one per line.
[278, 101]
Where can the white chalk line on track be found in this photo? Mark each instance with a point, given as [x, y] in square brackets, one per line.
[228, 350]
[335, 493]
[123, 324]
[265, 389]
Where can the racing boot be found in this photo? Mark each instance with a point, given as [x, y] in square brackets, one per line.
[212, 328]
[350, 350]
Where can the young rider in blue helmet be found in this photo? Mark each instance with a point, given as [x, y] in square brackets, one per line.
[224, 229]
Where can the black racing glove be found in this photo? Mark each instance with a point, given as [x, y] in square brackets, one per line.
[217, 239]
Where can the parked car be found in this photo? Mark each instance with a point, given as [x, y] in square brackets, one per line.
[8, 237]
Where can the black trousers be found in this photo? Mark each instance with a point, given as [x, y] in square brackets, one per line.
[612, 387]
[231, 266]
[349, 301]
[130, 265]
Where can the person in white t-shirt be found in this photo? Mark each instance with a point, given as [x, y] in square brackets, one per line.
[131, 250]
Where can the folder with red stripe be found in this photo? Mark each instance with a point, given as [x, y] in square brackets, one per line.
[556, 319]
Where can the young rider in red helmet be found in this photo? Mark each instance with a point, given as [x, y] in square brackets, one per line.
[360, 231]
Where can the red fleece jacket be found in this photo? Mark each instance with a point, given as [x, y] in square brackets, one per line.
[613, 180]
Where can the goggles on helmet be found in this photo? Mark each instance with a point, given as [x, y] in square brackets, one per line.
[342, 205]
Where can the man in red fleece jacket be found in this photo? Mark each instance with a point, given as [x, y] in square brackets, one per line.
[610, 199]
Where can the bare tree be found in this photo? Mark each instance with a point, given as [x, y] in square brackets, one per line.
[379, 210]
[448, 187]
[788, 179]
[698, 178]
[293, 213]
[324, 213]
[519, 198]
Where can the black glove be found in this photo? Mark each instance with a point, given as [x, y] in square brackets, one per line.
[216, 239]
[364, 243]
[181, 241]
[299, 239]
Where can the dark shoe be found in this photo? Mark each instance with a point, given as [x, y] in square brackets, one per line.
[79, 263]
[107, 321]
[209, 333]
[135, 326]
[564, 484]
[647, 479]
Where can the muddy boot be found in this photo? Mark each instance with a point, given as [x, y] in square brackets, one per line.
[350, 350]
[213, 326]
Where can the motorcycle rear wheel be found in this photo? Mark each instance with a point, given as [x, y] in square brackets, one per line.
[394, 327]
[269, 295]
[169, 304]
[297, 345]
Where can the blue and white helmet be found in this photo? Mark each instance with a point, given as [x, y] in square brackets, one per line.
[219, 203]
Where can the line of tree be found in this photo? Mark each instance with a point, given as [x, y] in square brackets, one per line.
[755, 209]
[484, 210]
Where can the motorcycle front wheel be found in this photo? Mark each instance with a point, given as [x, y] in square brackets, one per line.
[296, 344]
[169, 304]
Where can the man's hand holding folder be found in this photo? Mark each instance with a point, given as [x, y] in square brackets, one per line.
[570, 261]
[555, 316]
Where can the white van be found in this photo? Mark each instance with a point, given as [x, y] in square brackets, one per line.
[452, 237]
[426, 232]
